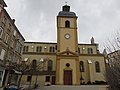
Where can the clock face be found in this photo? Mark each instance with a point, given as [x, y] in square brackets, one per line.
[67, 36]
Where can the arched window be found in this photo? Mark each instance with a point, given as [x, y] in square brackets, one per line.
[97, 66]
[67, 24]
[50, 64]
[81, 66]
[34, 64]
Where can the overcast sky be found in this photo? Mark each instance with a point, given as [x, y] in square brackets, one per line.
[36, 19]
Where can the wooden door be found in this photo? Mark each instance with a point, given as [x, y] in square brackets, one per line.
[68, 77]
[53, 80]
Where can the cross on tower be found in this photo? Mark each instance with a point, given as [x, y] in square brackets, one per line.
[66, 3]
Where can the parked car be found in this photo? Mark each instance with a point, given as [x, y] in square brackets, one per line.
[21, 88]
[12, 87]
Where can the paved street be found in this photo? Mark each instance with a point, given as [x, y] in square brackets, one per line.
[83, 87]
[0, 88]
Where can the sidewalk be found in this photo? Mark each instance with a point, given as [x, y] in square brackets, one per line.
[1, 88]
[82, 87]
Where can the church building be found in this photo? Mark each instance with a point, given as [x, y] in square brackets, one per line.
[66, 62]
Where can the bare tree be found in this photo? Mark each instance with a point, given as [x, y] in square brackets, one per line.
[113, 66]
[29, 68]
[37, 68]
[21, 67]
[25, 68]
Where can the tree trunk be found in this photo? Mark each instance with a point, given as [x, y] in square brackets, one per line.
[19, 80]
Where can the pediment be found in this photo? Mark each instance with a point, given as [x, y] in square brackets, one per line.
[68, 52]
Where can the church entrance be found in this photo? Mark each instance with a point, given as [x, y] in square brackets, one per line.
[67, 77]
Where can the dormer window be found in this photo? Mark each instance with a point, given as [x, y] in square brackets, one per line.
[67, 24]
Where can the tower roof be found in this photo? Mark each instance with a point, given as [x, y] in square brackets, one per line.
[66, 12]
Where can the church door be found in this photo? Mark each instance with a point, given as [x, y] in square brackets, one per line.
[68, 77]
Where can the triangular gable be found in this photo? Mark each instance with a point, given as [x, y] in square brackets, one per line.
[67, 52]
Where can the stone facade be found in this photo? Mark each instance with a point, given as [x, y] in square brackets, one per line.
[48, 52]
[11, 42]
[66, 62]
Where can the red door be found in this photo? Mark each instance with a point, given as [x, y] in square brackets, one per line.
[67, 77]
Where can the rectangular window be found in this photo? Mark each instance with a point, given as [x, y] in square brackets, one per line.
[2, 54]
[52, 49]
[6, 38]
[25, 49]
[47, 79]
[12, 43]
[1, 31]
[4, 20]
[20, 49]
[38, 49]
[29, 78]
[90, 51]
[17, 46]
[14, 33]
[9, 26]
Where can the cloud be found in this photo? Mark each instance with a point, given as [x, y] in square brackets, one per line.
[37, 19]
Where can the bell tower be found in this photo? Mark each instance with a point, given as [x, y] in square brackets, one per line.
[67, 59]
[67, 30]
